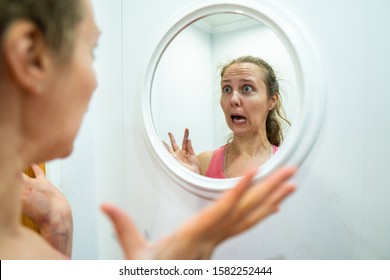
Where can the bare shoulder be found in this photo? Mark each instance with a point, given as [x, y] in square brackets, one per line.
[27, 244]
[204, 159]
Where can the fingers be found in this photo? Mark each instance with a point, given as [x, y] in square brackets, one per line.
[167, 147]
[127, 233]
[226, 204]
[276, 198]
[25, 177]
[279, 176]
[185, 139]
[241, 207]
[184, 144]
[249, 205]
[174, 145]
[37, 171]
[28, 184]
[267, 207]
[235, 194]
[262, 189]
[189, 148]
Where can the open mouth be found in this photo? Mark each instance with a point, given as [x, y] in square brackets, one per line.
[236, 119]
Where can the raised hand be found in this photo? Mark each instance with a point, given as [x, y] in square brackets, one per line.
[48, 208]
[236, 211]
[186, 155]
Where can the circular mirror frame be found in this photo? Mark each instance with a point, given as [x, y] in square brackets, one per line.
[310, 87]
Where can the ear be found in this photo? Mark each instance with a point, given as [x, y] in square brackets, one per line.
[272, 101]
[27, 56]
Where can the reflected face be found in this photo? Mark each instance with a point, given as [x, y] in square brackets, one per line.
[75, 83]
[244, 99]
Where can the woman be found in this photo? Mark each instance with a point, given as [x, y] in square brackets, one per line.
[252, 108]
[46, 81]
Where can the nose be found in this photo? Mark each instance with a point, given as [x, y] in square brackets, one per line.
[235, 100]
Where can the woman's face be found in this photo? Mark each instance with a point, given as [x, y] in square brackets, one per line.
[244, 99]
[72, 86]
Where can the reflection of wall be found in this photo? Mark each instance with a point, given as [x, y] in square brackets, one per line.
[182, 89]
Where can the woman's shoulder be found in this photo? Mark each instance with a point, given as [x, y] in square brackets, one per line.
[205, 156]
[209, 154]
[205, 159]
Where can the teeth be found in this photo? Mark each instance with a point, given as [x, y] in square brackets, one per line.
[238, 119]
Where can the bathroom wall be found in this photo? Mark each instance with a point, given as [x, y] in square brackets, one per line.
[340, 210]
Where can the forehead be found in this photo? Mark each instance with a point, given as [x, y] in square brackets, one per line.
[244, 70]
[88, 25]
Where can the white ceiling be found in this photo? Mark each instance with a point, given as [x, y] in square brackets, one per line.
[225, 22]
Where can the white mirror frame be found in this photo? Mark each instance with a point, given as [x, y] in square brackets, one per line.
[310, 87]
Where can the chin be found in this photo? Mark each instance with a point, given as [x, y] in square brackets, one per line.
[61, 151]
[238, 129]
[66, 147]
[66, 152]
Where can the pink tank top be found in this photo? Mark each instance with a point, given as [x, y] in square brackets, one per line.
[215, 169]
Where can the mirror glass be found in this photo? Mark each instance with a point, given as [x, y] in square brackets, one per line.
[186, 84]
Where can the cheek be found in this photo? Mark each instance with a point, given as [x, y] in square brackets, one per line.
[87, 81]
[88, 74]
[223, 103]
[84, 74]
[260, 108]
[93, 83]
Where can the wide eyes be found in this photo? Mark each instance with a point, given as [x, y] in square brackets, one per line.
[245, 89]
[226, 89]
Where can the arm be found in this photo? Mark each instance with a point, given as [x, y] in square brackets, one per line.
[186, 155]
[49, 209]
[236, 211]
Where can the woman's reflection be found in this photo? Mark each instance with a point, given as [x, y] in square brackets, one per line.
[253, 111]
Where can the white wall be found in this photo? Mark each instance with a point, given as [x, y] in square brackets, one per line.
[340, 210]
[182, 90]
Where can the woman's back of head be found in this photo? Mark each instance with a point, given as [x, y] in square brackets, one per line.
[56, 19]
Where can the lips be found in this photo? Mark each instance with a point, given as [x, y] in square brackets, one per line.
[238, 119]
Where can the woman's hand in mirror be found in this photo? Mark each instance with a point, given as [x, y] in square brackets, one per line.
[236, 211]
[46, 205]
[186, 155]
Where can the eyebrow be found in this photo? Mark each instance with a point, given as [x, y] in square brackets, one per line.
[247, 80]
[241, 80]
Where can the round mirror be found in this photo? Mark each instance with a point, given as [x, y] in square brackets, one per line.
[186, 87]
[182, 83]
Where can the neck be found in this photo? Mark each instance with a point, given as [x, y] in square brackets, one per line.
[11, 160]
[244, 153]
[252, 145]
